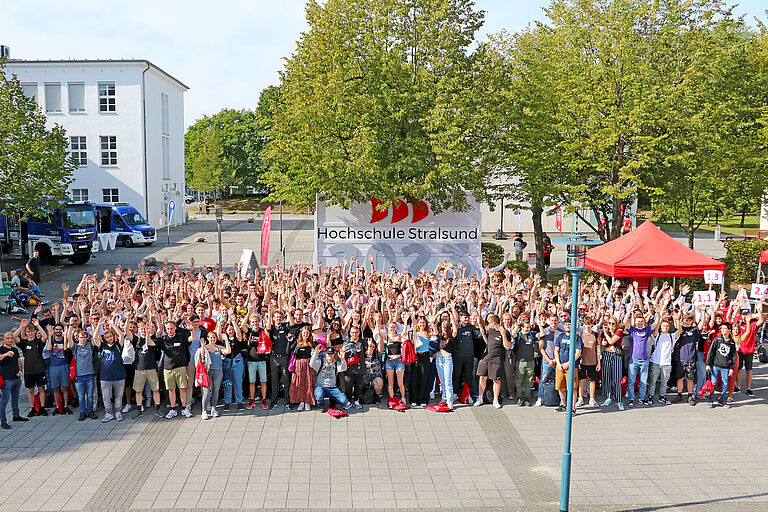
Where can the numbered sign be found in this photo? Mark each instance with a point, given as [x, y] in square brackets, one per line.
[713, 276]
[706, 298]
[758, 291]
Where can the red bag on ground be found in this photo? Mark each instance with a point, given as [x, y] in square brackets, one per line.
[201, 376]
[401, 406]
[408, 352]
[336, 413]
[441, 407]
[72, 370]
[264, 345]
[464, 396]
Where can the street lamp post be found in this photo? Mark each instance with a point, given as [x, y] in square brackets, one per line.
[577, 245]
[219, 219]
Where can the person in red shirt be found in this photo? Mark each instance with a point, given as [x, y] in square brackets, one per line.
[748, 326]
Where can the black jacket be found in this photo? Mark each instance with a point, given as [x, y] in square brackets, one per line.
[722, 353]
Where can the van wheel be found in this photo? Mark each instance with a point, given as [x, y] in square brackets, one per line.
[127, 242]
[46, 258]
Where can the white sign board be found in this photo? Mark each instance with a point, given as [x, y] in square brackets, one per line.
[248, 262]
[407, 236]
[713, 276]
[706, 298]
[758, 291]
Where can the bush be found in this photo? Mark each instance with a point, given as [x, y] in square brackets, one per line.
[494, 253]
[520, 266]
[741, 260]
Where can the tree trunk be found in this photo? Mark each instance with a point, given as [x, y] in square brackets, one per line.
[743, 214]
[691, 230]
[537, 212]
[717, 216]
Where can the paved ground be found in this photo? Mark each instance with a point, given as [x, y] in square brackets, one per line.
[666, 458]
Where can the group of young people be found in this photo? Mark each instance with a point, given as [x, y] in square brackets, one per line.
[347, 335]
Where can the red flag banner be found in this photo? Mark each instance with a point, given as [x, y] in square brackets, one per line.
[559, 219]
[266, 227]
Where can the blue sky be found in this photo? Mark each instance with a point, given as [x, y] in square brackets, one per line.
[226, 54]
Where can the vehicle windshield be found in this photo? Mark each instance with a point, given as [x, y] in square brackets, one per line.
[78, 217]
[134, 219]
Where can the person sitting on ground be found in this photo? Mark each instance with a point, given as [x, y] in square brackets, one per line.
[326, 369]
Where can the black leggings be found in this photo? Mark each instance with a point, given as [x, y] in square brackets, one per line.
[353, 385]
[279, 374]
[417, 384]
[462, 372]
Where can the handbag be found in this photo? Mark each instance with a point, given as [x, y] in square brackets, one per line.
[201, 376]
[418, 342]
[72, 369]
[408, 352]
[264, 345]
[292, 361]
[129, 353]
[2, 382]
[707, 388]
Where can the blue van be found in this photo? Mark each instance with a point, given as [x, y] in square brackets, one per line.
[125, 220]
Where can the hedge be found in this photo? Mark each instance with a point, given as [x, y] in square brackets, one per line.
[492, 252]
[741, 260]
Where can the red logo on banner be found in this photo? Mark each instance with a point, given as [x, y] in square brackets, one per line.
[399, 211]
[266, 228]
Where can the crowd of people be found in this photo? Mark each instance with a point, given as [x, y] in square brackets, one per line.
[349, 335]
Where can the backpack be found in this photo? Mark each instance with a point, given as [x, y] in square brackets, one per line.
[368, 396]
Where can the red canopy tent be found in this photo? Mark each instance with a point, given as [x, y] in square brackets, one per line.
[648, 252]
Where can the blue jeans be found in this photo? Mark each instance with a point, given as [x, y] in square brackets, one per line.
[236, 371]
[547, 372]
[701, 372]
[10, 391]
[723, 372]
[445, 372]
[635, 366]
[84, 386]
[321, 393]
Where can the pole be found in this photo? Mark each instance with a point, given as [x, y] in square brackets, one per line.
[501, 218]
[282, 248]
[565, 478]
[218, 223]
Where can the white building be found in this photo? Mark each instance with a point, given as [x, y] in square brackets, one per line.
[125, 123]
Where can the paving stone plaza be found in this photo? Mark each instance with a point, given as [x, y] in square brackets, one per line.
[673, 457]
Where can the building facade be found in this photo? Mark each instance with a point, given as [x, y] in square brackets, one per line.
[125, 124]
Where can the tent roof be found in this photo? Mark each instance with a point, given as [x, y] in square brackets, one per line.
[648, 252]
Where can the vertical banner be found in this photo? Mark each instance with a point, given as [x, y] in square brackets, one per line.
[518, 218]
[171, 207]
[559, 219]
[266, 227]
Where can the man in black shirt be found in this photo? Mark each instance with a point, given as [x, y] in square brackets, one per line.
[467, 336]
[10, 369]
[33, 267]
[283, 345]
[175, 346]
[146, 370]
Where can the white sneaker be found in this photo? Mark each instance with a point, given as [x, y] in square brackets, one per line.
[357, 405]
[478, 402]
[579, 402]
[204, 415]
[449, 404]
[592, 402]
[496, 403]
[538, 403]
[215, 413]
[187, 411]
[107, 417]
[431, 395]
[301, 406]
[171, 414]
[119, 416]
[127, 408]
[349, 404]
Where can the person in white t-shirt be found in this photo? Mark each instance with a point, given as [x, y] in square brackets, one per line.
[661, 360]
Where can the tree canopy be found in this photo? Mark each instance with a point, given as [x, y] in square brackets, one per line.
[35, 163]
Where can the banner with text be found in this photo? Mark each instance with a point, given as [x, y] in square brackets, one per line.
[407, 235]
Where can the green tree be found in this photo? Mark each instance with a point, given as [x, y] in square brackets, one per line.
[35, 163]
[242, 137]
[208, 169]
[362, 103]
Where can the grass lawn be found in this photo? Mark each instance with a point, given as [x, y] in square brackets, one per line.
[728, 225]
[246, 204]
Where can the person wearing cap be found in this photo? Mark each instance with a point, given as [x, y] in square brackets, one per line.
[327, 367]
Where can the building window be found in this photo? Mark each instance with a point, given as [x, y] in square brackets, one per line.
[76, 97]
[108, 150]
[110, 195]
[79, 194]
[107, 97]
[166, 145]
[30, 90]
[164, 112]
[78, 149]
[53, 98]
